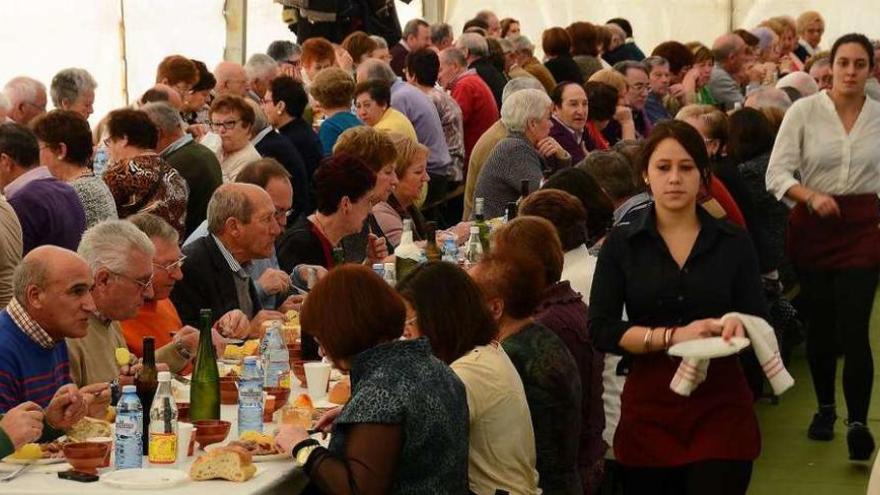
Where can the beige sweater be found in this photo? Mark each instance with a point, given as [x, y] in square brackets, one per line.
[93, 357]
[10, 249]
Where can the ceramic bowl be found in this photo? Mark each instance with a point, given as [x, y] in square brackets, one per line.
[87, 457]
[210, 431]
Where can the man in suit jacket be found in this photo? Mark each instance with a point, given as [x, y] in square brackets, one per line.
[416, 35]
[243, 227]
[270, 144]
[196, 163]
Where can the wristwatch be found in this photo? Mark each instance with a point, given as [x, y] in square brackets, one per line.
[303, 450]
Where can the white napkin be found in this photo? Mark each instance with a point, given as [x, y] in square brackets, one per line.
[692, 371]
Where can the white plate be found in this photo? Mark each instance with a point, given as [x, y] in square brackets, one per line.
[144, 479]
[709, 348]
[256, 458]
[38, 462]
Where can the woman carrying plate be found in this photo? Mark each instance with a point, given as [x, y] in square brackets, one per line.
[676, 270]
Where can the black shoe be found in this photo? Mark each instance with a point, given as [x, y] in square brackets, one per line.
[822, 427]
[860, 442]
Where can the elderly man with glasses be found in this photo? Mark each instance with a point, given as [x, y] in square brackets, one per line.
[121, 260]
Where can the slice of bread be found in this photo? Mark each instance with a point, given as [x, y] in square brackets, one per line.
[226, 463]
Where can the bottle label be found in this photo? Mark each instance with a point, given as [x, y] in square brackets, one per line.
[128, 425]
[163, 448]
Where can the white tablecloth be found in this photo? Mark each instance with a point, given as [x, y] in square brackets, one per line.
[44, 480]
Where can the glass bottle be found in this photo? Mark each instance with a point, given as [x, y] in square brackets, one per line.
[474, 247]
[407, 255]
[163, 423]
[204, 394]
[432, 251]
[146, 382]
[480, 221]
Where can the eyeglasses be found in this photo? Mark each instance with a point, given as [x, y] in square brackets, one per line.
[226, 126]
[281, 214]
[642, 88]
[144, 285]
[174, 265]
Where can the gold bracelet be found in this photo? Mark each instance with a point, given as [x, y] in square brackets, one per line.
[648, 335]
[667, 334]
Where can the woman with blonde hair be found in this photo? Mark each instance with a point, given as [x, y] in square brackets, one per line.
[786, 29]
[810, 28]
[412, 175]
[622, 126]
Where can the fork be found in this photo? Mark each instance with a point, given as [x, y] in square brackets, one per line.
[10, 477]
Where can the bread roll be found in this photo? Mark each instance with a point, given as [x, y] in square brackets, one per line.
[341, 392]
[226, 463]
[89, 427]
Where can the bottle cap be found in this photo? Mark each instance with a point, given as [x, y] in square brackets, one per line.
[378, 266]
[475, 229]
[164, 376]
[129, 389]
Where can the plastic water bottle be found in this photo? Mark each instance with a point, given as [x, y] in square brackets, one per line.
[379, 268]
[450, 250]
[129, 430]
[389, 274]
[250, 397]
[276, 360]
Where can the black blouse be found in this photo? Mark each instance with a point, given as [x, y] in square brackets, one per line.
[635, 269]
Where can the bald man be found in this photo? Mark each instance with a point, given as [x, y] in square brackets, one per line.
[231, 79]
[164, 94]
[730, 58]
[51, 301]
[242, 227]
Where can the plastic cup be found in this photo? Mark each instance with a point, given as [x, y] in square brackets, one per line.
[317, 378]
[184, 436]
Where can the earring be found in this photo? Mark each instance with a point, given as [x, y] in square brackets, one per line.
[647, 183]
[60, 157]
[279, 112]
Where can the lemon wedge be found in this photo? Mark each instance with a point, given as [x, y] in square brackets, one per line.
[29, 451]
[123, 357]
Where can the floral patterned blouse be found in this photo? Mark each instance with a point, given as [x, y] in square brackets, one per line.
[147, 183]
[401, 382]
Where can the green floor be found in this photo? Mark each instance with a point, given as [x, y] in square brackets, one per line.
[790, 463]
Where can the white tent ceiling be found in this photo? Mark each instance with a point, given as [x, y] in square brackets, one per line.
[41, 37]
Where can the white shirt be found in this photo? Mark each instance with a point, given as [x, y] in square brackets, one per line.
[232, 164]
[502, 442]
[812, 141]
[578, 267]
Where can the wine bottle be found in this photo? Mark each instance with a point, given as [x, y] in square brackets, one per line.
[146, 382]
[204, 393]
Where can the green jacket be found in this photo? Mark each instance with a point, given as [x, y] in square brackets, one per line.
[7, 448]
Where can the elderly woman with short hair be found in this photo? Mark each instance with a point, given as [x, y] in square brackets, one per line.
[233, 119]
[332, 90]
[412, 174]
[66, 149]
[74, 89]
[522, 155]
[139, 179]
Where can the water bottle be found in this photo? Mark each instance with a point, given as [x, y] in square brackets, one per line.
[389, 274]
[450, 250]
[250, 397]
[379, 268]
[129, 430]
[276, 360]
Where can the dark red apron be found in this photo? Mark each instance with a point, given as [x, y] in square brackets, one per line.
[851, 240]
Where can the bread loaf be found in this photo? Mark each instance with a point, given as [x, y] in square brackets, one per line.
[89, 427]
[226, 463]
[341, 392]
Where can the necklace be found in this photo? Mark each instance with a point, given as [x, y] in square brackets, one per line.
[321, 227]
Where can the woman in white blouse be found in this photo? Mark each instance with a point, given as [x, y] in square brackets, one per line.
[830, 139]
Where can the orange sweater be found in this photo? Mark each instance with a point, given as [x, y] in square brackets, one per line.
[157, 319]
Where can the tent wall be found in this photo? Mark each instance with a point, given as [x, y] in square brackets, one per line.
[684, 20]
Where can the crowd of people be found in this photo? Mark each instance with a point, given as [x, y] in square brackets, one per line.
[659, 199]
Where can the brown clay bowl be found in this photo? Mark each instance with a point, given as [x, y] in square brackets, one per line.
[210, 431]
[299, 372]
[86, 457]
[281, 395]
[183, 412]
[228, 390]
[295, 352]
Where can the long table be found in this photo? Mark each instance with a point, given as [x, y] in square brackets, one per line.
[272, 477]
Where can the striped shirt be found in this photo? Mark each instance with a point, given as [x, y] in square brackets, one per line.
[28, 371]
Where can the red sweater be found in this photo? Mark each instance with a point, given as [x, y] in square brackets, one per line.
[478, 108]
